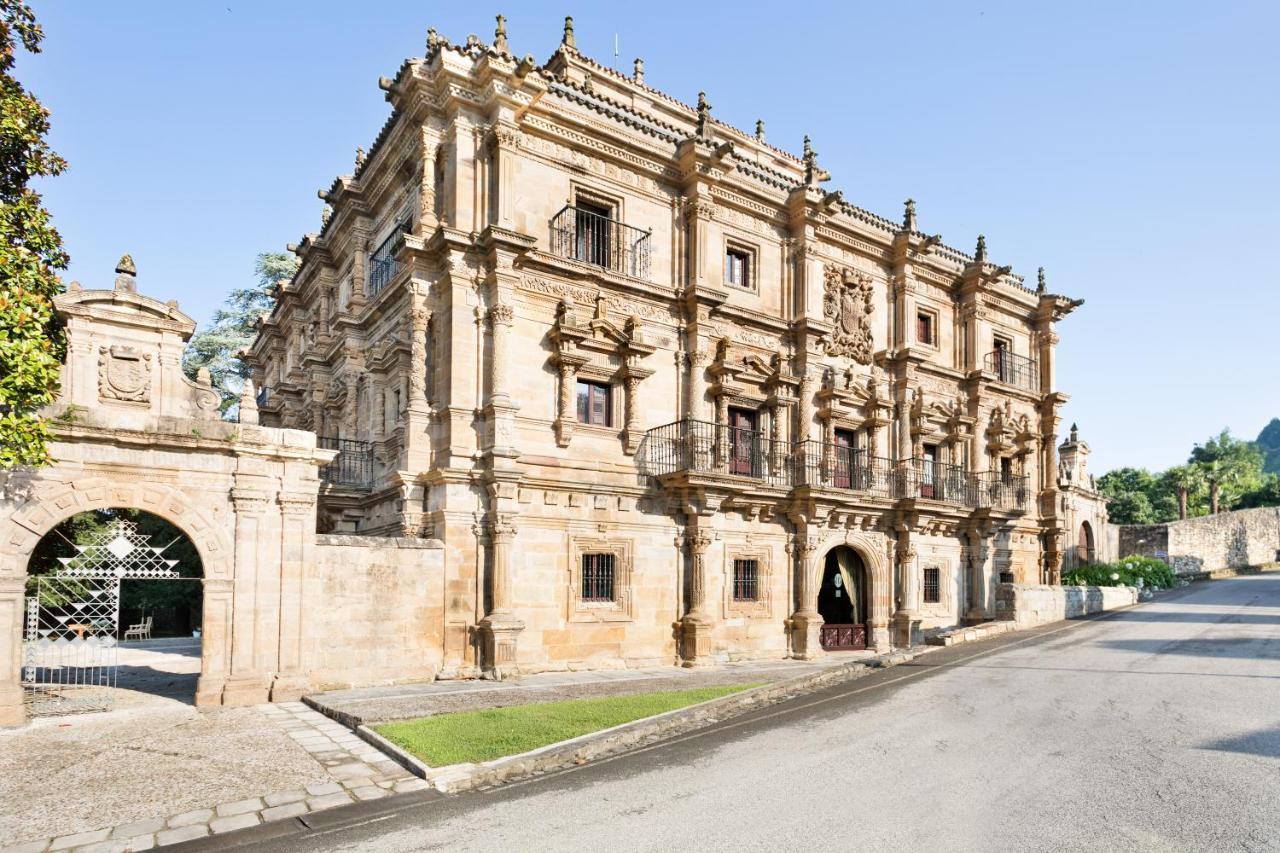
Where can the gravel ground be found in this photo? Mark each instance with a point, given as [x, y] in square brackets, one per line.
[152, 756]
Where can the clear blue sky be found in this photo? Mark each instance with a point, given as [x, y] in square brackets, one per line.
[1132, 149]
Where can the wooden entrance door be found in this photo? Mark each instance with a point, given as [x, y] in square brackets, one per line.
[743, 442]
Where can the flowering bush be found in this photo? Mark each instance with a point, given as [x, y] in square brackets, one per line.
[1154, 574]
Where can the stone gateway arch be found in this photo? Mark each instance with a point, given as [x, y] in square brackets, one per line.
[132, 431]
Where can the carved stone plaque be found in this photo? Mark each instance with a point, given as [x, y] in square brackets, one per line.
[124, 374]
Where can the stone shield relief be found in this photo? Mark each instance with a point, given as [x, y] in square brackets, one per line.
[847, 304]
[124, 374]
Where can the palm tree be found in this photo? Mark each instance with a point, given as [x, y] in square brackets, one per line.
[1225, 460]
[1186, 479]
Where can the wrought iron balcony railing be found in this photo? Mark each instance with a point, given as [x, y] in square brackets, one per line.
[1000, 491]
[352, 467]
[1016, 370]
[584, 235]
[383, 265]
[834, 466]
[700, 446]
[937, 481]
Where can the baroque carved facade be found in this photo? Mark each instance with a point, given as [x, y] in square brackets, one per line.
[662, 395]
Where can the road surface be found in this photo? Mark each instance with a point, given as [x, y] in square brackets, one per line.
[1153, 729]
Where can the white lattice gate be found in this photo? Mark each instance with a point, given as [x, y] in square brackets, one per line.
[73, 621]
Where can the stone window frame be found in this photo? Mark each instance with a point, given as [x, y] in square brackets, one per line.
[622, 607]
[946, 581]
[762, 606]
[611, 397]
[594, 195]
[752, 285]
[935, 327]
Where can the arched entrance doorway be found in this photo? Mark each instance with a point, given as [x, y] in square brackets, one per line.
[843, 601]
[1084, 544]
[113, 611]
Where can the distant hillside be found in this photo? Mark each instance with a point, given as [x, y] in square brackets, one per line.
[1268, 442]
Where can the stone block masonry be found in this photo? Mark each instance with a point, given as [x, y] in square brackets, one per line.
[1228, 540]
[1029, 605]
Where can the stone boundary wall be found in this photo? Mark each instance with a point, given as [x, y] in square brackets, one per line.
[1029, 605]
[375, 607]
[1228, 540]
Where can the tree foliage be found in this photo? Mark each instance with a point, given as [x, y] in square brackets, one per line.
[218, 347]
[1222, 473]
[1269, 443]
[31, 343]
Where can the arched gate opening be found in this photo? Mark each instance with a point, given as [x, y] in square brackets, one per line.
[843, 601]
[113, 612]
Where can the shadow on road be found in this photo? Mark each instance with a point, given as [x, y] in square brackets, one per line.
[1226, 647]
[1264, 742]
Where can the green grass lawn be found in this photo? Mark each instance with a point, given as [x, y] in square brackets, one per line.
[495, 732]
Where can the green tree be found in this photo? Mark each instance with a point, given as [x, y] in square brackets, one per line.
[1185, 481]
[1135, 497]
[1268, 494]
[218, 347]
[1230, 467]
[31, 342]
[1268, 442]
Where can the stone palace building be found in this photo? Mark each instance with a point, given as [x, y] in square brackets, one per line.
[662, 395]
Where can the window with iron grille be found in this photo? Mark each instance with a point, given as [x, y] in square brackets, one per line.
[932, 585]
[594, 404]
[737, 267]
[597, 577]
[746, 580]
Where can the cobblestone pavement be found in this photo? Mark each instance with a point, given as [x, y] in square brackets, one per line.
[162, 776]
[374, 704]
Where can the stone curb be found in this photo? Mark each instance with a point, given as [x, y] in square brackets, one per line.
[462, 777]
[972, 633]
[1224, 574]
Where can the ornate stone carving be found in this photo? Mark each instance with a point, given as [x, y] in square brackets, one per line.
[847, 304]
[124, 374]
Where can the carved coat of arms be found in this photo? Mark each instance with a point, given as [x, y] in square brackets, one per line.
[124, 374]
[847, 305]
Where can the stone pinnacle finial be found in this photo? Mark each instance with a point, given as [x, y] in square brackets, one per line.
[760, 130]
[500, 35]
[810, 163]
[568, 40]
[326, 213]
[433, 40]
[1075, 432]
[1041, 287]
[125, 265]
[125, 274]
[360, 158]
[638, 70]
[909, 216]
[980, 253]
[248, 404]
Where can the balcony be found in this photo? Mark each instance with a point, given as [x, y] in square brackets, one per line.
[587, 236]
[352, 468]
[1016, 370]
[383, 265]
[1003, 492]
[833, 466]
[707, 448]
[938, 481]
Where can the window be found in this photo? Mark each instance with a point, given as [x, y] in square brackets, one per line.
[924, 328]
[597, 577]
[594, 403]
[1002, 362]
[932, 585]
[928, 474]
[737, 268]
[1006, 470]
[746, 580]
[593, 227]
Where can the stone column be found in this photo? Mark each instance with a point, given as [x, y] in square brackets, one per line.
[500, 628]
[804, 429]
[215, 640]
[632, 431]
[697, 387]
[12, 617]
[419, 320]
[247, 684]
[906, 621]
[695, 628]
[504, 139]
[297, 546]
[806, 624]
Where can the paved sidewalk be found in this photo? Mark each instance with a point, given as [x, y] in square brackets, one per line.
[376, 704]
[143, 783]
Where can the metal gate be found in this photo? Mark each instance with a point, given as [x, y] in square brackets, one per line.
[73, 621]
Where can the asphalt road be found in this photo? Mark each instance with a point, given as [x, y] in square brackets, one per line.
[1153, 729]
